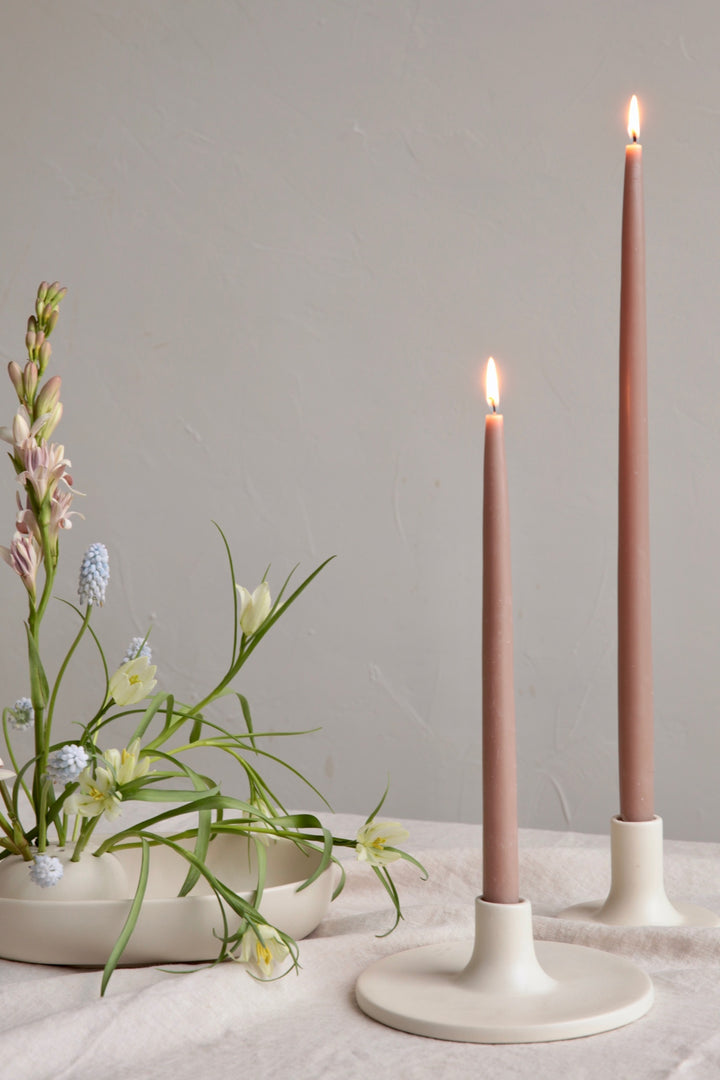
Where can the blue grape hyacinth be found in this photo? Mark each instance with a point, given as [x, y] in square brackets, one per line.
[94, 575]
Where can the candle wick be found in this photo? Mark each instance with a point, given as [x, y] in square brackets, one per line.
[493, 405]
[634, 138]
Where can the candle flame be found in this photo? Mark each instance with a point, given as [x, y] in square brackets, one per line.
[491, 385]
[634, 120]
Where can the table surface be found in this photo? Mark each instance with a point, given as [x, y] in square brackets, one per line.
[219, 1022]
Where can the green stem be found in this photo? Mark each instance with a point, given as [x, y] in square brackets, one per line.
[38, 679]
[7, 826]
[49, 560]
[63, 668]
[85, 833]
[46, 785]
[13, 759]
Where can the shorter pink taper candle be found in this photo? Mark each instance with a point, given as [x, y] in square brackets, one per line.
[500, 841]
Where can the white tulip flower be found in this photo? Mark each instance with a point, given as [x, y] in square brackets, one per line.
[255, 608]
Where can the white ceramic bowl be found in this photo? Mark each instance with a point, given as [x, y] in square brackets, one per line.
[170, 929]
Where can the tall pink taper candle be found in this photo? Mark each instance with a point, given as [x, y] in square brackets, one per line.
[500, 842]
[635, 682]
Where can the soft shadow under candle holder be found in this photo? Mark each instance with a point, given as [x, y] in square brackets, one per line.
[504, 987]
[637, 894]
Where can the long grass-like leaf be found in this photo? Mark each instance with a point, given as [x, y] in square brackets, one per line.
[380, 804]
[388, 884]
[278, 611]
[131, 921]
[236, 619]
[202, 840]
[95, 638]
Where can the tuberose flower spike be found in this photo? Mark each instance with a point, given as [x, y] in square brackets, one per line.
[94, 575]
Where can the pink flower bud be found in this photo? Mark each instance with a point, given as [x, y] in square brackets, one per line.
[54, 420]
[16, 378]
[44, 355]
[42, 290]
[55, 293]
[49, 396]
[32, 323]
[30, 340]
[30, 379]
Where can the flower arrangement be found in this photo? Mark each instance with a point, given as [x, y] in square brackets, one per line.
[54, 800]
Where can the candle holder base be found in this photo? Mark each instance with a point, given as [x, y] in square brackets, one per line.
[637, 892]
[504, 987]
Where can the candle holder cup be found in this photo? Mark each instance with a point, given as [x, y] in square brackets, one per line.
[637, 894]
[504, 987]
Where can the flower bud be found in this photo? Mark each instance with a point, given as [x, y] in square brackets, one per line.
[42, 290]
[49, 396]
[44, 355]
[30, 339]
[50, 322]
[55, 293]
[32, 323]
[16, 378]
[30, 379]
[20, 429]
[53, 421]
[39, 305]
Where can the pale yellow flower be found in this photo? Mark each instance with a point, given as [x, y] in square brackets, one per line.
[374, 838]
[262, 950]
[255, 608]
[132, 681]
[96, 794]
[127, 764]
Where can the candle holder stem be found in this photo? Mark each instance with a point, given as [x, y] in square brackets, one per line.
[637, 894]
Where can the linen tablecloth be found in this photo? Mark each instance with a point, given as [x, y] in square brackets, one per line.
[220, 1023]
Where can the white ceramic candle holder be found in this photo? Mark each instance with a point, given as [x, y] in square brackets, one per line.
[637, 892]
[504, 987]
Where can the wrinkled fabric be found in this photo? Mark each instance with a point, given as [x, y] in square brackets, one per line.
[220, 1023]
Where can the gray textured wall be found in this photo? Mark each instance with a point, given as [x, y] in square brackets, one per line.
[293, 232]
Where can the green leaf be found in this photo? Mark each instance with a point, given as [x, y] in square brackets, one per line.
[234, 594]
[204, 786]
[247, 715]
[159, 699]
[388, 884]
[277, 612]
[149, 794]
[39, 689]
[95, 638]
[379, 806]
[131, 921]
